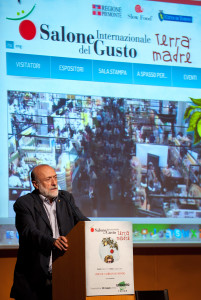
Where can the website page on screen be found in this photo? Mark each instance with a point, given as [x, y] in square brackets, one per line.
[109, 95]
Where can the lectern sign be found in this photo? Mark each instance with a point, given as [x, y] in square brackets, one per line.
[109, 258]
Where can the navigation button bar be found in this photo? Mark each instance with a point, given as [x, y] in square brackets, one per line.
[101, 71]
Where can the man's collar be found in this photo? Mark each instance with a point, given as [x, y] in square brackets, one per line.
[45, 199]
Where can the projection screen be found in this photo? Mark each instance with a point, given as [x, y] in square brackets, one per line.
[108, 93]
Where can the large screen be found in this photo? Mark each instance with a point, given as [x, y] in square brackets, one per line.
[107, 93]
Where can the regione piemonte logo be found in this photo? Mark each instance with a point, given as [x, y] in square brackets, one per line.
[106, 11]
[27, 28]
[96, 9]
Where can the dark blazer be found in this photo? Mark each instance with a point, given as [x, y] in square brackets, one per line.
[36, 240]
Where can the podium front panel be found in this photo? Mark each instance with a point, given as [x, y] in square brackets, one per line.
[109, 258]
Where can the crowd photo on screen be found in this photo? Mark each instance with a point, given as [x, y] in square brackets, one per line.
[120, 157]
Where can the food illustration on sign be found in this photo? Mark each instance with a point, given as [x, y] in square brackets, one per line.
[109, 250]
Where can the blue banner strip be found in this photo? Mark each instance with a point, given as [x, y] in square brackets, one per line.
[101, 71]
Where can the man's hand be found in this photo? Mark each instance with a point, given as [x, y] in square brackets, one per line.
[61, 243]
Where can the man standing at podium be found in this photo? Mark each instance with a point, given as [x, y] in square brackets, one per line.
[43, 219]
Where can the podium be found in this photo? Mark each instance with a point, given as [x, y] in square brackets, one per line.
[69, 271]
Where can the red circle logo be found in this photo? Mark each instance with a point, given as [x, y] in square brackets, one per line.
[138, 9]
[92, 229]
[111, 251]
[27, 30]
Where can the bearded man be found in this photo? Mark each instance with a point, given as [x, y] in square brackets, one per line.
[43, 219]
